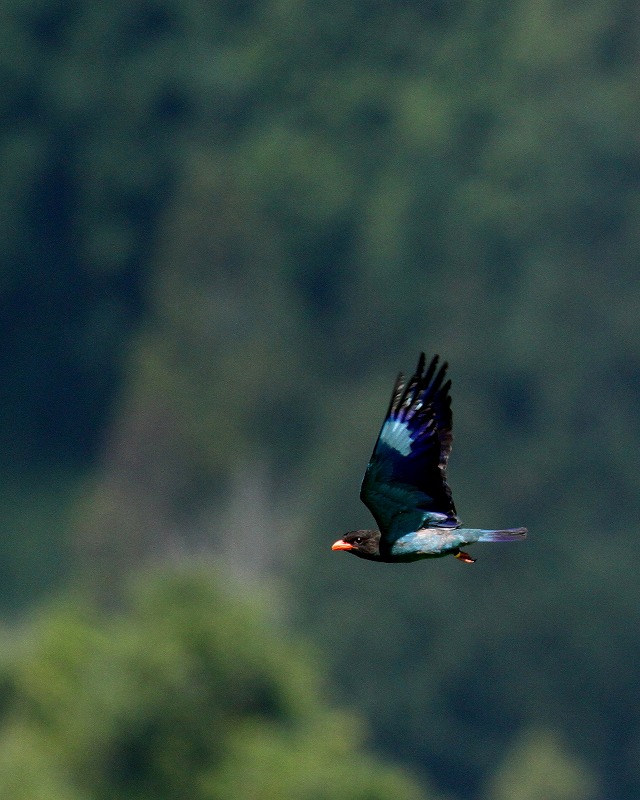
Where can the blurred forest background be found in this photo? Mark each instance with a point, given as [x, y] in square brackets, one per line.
[225, 226]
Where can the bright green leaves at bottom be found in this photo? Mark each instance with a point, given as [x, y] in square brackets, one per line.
[186, 693]
[540, 768]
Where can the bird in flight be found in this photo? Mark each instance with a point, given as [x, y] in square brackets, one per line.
[405, 485]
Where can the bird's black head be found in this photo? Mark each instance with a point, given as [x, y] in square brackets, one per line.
[365, 544]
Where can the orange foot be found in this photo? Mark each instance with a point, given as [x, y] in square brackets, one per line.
[464, 557]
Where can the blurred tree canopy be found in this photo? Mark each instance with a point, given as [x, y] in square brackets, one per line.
[538, 768]
[226, 225]
[186, 692]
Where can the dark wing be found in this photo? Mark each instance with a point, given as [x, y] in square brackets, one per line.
[405, 485]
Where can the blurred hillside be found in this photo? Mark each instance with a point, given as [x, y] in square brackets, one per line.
[225, 228]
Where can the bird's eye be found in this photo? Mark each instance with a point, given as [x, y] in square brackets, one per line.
[358, 540]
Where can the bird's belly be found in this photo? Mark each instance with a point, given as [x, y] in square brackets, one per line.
[426, 543]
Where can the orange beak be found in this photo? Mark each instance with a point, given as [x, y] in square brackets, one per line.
[341, 545]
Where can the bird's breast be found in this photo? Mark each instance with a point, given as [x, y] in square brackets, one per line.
[425, 543]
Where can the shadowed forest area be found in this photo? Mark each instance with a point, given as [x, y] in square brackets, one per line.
[225, 227]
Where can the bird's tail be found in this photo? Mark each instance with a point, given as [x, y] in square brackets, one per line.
[508, 535]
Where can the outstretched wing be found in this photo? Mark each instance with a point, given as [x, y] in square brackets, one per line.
[405, 485]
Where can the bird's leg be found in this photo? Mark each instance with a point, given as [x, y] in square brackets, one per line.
[463, 556]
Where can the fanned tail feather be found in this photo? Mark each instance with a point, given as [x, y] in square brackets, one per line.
[508, 535]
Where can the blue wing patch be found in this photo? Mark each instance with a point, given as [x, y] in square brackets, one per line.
[396, 435]
[405, 484]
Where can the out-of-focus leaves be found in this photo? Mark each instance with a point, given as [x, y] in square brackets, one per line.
[226, 226]
[184, 693]
[539, 768]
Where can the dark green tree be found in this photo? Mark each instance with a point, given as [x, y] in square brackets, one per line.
[291, 199]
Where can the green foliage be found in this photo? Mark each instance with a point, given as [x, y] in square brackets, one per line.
[186, 692]
[225, 226]
[539, 768]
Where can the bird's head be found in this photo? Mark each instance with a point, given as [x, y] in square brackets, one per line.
[365, 544]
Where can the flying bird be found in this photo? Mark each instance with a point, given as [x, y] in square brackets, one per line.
[405, 484]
